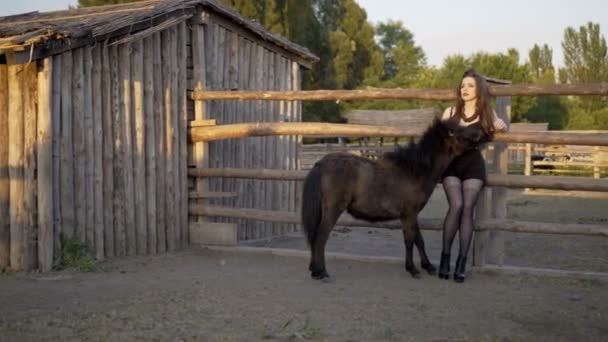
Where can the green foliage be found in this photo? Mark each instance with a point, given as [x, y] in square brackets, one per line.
[74, 254]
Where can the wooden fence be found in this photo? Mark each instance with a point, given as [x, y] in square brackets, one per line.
[491, 213]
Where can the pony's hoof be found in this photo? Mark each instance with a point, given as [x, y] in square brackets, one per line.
[413, 271]
[430, 269]
[319, 275]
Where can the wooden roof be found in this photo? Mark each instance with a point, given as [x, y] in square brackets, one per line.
[36, 35]
[412, 118]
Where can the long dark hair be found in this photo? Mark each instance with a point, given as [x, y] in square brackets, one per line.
[483, 105]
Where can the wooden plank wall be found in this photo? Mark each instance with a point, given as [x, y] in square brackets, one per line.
[235, 61]
[96, 143]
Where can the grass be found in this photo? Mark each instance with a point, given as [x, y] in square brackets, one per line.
[75, 255]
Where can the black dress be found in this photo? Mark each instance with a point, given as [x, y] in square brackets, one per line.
[470, 164]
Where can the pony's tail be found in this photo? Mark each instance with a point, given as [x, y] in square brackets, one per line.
[311, 204]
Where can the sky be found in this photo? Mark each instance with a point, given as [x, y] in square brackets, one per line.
[446, 27]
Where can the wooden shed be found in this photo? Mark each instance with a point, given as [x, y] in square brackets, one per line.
[94, 116]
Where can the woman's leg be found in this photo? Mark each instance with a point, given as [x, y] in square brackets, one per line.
[453, 191]
[470, 190]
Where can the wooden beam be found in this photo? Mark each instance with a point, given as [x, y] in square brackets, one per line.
[202, 123]
[211, 194]
[426, 224]
[198, 134]
[403, 94]
[509, 181]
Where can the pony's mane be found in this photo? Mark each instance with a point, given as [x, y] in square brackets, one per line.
[416, 158]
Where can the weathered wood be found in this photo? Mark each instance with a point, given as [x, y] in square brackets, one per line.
[139, 156]
[89, 157]
[404, 94]
[68, 219]
[126, 111]
[294, 217]
[548, 182]
[44, 165]
[5, 228]
[343, 130]
[97, 98]
[78, 136]
[528, 160]
[543, 227]
[496, 243]
[150, 146]
[182, 136]
[170, 86]
[15, 161]
[160, 133]
[118, 123]
[108, 153]
[268, 129]
[508, 181]
[425, 224]
[201, 122]
[30, 79]
[56, 136]
[210, 194]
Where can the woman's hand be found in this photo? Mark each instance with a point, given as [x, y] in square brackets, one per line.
[500, 125]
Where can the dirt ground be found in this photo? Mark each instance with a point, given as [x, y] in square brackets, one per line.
[205, 295]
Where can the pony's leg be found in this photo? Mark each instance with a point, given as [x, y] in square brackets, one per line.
[409, 235]
[424, 259]
[328, 221]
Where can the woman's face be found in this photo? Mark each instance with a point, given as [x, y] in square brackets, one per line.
[468, 89]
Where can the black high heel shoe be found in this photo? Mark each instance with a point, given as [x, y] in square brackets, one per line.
[444, 266]
[460, 269]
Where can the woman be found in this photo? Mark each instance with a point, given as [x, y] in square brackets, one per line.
[465, 176]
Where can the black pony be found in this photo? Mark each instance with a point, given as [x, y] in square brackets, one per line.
[398, 185]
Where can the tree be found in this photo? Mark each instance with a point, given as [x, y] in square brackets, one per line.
[541, 64]
[586, 61]
[399, 50]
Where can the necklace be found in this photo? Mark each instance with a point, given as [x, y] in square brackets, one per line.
[469, 119]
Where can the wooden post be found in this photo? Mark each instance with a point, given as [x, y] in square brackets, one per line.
[499, 195]
[108, 152]
[79, 143]
[139, 157]
[89, 166]
[528, 160]
[120, 247]
[56, 136]
[161, 155]
[182, 116]
[201, 149]
[126, 113]
[4, 170]
[30, 79]
[15, 162]
[45, 165]
[67, 148]
[297, 107]
[151, 147]
[97, 98]
[169, 56]
[596, 162]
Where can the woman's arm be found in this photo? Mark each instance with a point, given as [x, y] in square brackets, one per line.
[499, 125]
[447, 113]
